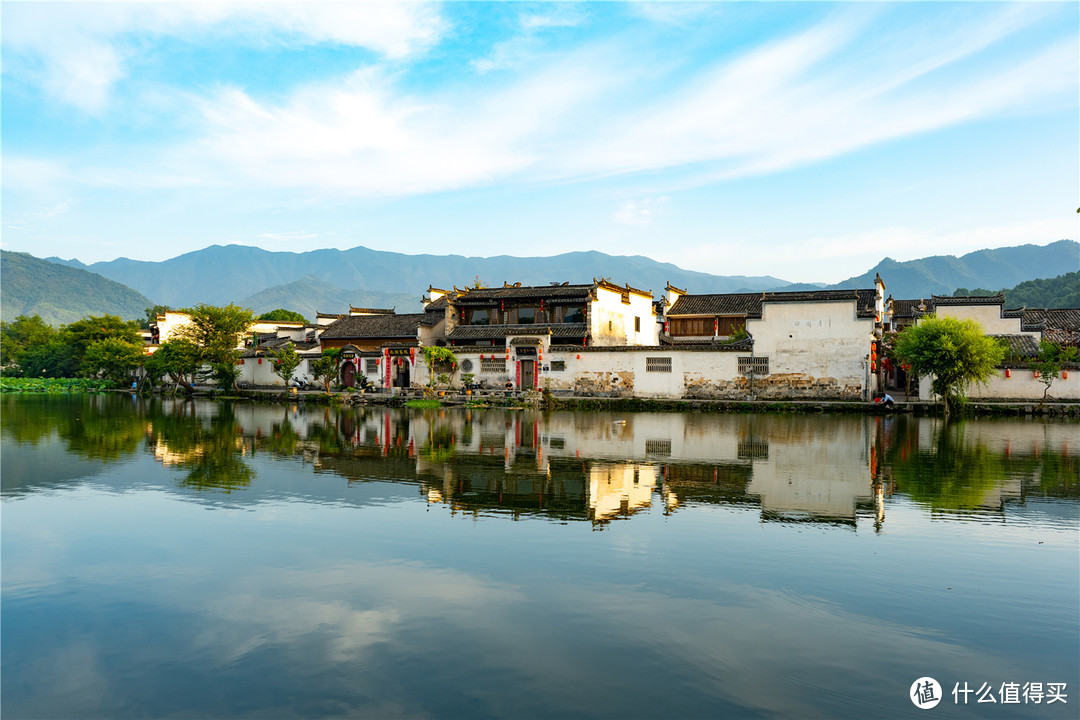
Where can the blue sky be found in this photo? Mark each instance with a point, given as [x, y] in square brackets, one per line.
[800, 140]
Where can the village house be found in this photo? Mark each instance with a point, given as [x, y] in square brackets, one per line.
[777, 344]
[1021, 328]
[502, 334]
[380, 344]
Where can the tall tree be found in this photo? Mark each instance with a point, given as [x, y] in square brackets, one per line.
[955, 353]
[114, 358]
[285, 363]
[218, 331]
[81, 334]
[325, 369]
[21, 334]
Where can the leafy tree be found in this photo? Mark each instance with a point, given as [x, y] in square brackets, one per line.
[81, 334]
[22, 333]
[54, 359]
[325, 369]
[1051, 356]
[283, 315]
[436, 355]
[954, 352]
[179, 359]
[114, 358]
[285, 362]
[217, 332]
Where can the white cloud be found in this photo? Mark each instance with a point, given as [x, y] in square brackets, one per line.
[640, 212]
[598, 111]
[77, 52]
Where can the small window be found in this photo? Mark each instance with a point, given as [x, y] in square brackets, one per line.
[371, 366]
[758, 365]
[658, 447]
[637, 324]
[609, 325]
[493, 365]
[466, 366]
[523, 316]
[658, 364]
[558, 366]
[574, 315]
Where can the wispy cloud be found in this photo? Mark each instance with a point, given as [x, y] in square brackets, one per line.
[78, 53]
[605, 108]
[641, 211]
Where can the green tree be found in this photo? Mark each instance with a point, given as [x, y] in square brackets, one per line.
[955, 353]
[22, 333]
[1051, 356]
[54, 359]
[283, 315]
[179, 359]
[114, 358]
[217, 332]
[325, 369]
[435, 355]
[81, 334]
[285, 363]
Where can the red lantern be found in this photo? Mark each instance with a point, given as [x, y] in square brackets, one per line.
[260, 361]
[241, 361]
[1064, 374]
[1008, 373]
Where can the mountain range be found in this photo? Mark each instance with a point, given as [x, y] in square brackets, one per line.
[331, 280]
[59, 294]
[221, 274]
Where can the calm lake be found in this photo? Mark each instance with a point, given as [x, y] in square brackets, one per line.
[207, 560]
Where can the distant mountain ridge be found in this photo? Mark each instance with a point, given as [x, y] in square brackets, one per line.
[320, 280]
[61, 295]
[309, 296]
[942, 274]
[220, 274]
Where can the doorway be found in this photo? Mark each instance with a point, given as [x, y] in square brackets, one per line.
[348, 374]
[528, 374]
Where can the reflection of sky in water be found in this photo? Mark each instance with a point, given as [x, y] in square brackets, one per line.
[312, 592]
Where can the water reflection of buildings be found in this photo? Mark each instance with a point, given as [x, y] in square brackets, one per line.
[603, 466]
[598, 467]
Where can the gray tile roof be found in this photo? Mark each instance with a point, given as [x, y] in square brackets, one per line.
[493, 332]
[998, 299]
[374, 326]
[487, 296]
[749, 304]
[1052, 319]
[1021, 344]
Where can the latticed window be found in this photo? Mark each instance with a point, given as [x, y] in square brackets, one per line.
[493, 365]
[658, 364]
[371, 366]
[658, 447]
[757, 365]
[558, 365]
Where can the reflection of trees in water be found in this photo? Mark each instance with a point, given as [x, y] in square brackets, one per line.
[212, 453]
[97, 427]
[961, 472]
